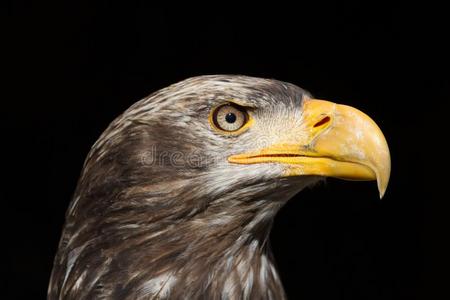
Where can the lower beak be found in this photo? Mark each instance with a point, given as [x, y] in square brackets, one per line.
[335, 141]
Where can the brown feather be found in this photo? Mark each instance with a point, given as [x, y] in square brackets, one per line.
[145, 225]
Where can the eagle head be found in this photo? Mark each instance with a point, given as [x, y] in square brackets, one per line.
[177, 197]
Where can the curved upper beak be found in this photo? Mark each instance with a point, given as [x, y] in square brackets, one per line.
[334, 140]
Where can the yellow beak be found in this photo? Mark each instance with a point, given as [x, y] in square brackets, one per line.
[335, 141]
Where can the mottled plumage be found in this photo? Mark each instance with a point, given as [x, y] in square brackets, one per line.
[159, 212]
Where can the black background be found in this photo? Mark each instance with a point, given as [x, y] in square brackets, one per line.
[73, 67]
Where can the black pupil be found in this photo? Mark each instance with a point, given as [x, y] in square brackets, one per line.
[230, 118]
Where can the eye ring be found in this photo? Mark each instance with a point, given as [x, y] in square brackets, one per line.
[229, 118]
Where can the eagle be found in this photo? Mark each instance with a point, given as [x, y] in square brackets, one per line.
[177, 197]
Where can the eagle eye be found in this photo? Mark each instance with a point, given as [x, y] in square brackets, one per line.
[229, 117]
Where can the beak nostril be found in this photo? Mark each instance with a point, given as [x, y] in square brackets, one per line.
[323, 121]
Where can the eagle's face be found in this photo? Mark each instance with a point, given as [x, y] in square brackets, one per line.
[184, 185]
[229, 132]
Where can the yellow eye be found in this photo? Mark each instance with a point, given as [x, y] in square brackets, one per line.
[229, 117]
